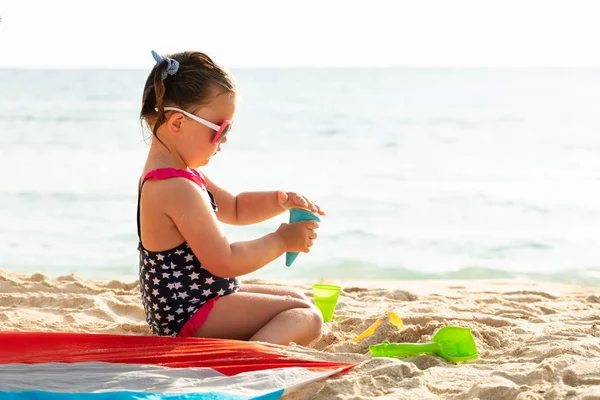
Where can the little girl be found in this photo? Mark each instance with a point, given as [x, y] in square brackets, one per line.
[188, 268]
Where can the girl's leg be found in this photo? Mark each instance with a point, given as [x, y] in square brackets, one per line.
[274, 290]
[262, 317]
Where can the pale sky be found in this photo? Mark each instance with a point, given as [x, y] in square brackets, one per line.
[326, 33]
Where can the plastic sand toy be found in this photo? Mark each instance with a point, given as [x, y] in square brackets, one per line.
[394, 319]
[297, 215]
[326, 297]
[453, 343]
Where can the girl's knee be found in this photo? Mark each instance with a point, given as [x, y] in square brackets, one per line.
[317, 318]
[314, 325]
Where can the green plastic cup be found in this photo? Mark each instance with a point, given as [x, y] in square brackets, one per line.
[326, 297]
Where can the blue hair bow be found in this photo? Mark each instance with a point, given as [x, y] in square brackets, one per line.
[172, 65]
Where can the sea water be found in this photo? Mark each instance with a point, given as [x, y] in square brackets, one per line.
[423, 173]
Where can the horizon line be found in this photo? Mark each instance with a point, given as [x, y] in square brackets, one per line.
[316, 67]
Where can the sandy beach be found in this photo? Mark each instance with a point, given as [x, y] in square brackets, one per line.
[535, 340]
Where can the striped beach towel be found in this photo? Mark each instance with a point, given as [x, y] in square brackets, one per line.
[78, 366]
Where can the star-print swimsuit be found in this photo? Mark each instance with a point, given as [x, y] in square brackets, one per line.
[177, 291]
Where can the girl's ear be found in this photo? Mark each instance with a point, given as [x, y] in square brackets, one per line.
[174, 123]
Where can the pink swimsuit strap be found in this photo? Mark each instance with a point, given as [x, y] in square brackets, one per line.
[166, 173]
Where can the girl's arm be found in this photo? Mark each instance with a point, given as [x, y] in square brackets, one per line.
[189, 208]
[252, 207]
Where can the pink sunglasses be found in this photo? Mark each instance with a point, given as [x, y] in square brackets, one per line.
[222, 130]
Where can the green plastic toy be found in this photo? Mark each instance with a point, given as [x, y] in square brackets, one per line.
[326, 297]
[453, 343]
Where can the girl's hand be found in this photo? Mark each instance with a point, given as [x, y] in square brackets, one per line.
[298, 236]
[289, 200]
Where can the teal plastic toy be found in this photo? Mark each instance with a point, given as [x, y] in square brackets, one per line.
[453, 343]
[296, 215]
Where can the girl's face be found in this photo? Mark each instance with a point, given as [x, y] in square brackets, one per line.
[194, 140]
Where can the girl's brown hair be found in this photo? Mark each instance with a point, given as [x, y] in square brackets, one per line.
[196, 81]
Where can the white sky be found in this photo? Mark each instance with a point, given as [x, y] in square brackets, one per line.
[242, 33]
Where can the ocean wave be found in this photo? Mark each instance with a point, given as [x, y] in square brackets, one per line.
[353, 234]
[361, 270]
[457, 122]
[62, 119]
[503, 203]
[29, 195]
[335, 270]
[329, 131]
[534, 245]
